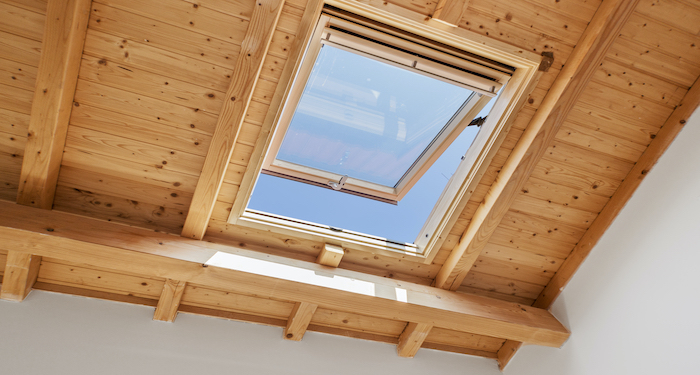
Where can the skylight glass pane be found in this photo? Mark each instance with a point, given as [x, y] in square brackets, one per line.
[367, 119]
[400, 223]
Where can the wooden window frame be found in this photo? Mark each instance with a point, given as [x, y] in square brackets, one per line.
[454, 41]
[365, 41]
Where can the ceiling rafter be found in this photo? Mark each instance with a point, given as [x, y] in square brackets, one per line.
[57, 76]
[255, 45]
[561, 97]
[116, 247]
[21, 271]
[299, 320]
[169, 301]
[412, 338]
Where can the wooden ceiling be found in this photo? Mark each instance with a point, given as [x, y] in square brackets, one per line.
[136, 112]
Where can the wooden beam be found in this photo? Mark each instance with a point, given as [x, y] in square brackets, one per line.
[561, 97]
[507, 352]
[330, 255]
[412, 338]
[450, 11]
[169, 300]
[21, 271]
[122, 248]
[61, 51]
[246, 72]
[299, 320]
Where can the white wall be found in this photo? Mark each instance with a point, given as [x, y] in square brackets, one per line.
[59, 334]
[634, 305]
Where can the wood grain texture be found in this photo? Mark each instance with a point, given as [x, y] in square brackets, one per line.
[412, 339]
[299, 320]
[246, 73]
[169, 300]
[57, 76]
[21, 270]
[450, 11]
[157, 255]
[565, 91]
[330, 255]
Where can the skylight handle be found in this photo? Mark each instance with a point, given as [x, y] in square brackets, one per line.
[338, 185]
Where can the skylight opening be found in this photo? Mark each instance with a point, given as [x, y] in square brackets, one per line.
[376, 115]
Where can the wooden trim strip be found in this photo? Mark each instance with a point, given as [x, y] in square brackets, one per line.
[169, 300]
[299, 320]
[561, 97]
[62, 48]
[248, 66]
[412, 339]
[21, 271]
[138, 251]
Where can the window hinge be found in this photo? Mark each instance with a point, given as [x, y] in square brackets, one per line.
[338, 185]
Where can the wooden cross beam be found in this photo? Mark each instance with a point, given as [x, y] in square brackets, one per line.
[61, 51]
[248, 66]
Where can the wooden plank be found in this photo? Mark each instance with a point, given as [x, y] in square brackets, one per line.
[412, 338]
[158, 255]
[58, 272]
[149, 174]
[675, 69]
[454, 338]
[15, 99]
[506, 353]
[21, 270]
[196, 295]
[119, 210]
[17, 74]
[299, 320]
[129, 54]
[20, 49]
[157, 86]
[145, 108]
[572, 80]
[672, 41]
[90, 141]
[21, 22]
[450, 11]
[38, 6]
[248, 69]
[62, 46]
[159, 34]
[672, 12]
[169, 301]
[330, 255]
[644, 85]
[155, 133]
[187, 16]
[529, 16]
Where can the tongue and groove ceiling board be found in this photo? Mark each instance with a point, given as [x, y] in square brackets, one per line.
[151, 87]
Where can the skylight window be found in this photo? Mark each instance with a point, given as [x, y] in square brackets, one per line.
[378, 112]
[369, 119]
